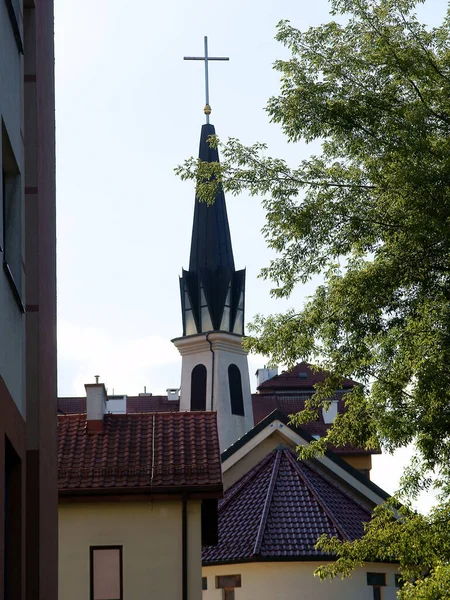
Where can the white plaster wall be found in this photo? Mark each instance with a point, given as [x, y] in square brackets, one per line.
[231, 427]
[228, 350]
[198, 353]
[12, 321]
[295, 581]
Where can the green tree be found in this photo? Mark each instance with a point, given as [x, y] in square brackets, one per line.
[371, 215]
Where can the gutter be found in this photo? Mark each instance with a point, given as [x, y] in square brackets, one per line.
[184, 550]
[212, 370]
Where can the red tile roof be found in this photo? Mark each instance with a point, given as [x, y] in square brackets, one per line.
[279, 509]
[157, 452]
[301, 377]
[135, 404]
[289, 404]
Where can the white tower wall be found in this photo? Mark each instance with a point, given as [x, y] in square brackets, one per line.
[223, 349]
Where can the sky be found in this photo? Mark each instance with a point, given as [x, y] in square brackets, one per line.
[128, 110]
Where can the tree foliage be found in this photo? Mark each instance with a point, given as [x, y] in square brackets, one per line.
[371, 215]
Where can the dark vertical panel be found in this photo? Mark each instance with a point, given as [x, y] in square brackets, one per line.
[236, 397]
[12, 523]
[198, 388]
[210, 523]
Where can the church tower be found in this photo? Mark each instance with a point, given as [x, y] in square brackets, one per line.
[214, 372]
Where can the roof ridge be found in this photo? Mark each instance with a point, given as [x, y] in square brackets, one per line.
[267, 502]
[244, 480]
[318, 498]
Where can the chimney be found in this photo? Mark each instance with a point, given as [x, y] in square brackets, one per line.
[95, 405]
[330, 414]
[264, 374]
[173, 393]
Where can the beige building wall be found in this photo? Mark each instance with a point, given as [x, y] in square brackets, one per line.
[295, 581]
[150, 533]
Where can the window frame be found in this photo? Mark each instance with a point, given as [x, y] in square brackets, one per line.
[92, 549]
[13, 9]
[10, 171]
[199, 377]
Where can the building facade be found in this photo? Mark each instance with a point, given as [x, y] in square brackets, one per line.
[138, 496]
[28, 487]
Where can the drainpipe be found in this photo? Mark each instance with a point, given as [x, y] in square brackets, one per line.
[212, 374]
[184, 550]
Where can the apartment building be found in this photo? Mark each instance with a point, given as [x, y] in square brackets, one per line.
[28, 491]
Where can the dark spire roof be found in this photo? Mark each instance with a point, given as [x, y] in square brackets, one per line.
[279, 509]
[211, 240]
[212, 291]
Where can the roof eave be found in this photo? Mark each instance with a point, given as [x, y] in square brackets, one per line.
[199, 491]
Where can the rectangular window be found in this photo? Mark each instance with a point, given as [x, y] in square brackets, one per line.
[11, 240]
[106, 573]
[228, 581]
[204, 583]
[377, 581]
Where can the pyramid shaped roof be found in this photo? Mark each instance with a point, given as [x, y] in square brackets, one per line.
[279, 509]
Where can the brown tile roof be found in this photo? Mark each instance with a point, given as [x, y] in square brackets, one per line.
[154, 452]
[279, 509]
[301, 377]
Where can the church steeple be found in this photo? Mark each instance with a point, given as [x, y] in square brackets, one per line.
[214, 370]
[211, 240]
[212, 291]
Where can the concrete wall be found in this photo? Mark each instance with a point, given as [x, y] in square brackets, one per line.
[295, 581]
[150, 533]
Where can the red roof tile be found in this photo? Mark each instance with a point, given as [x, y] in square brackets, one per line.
[301, 377]
[152, 403]
[279, 509]
[135, 404]
[155, 451]
[292, 403]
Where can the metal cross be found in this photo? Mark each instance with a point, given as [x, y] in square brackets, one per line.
[206, 58]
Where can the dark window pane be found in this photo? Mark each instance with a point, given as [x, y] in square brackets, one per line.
[376, 579]
[377, 593]
[204, 583]
[198, 388]
[236, 397]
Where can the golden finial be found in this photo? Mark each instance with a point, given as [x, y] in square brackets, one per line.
[207, 109]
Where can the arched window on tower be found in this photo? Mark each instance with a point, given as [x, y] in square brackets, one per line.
[198, 388]
[236, 397]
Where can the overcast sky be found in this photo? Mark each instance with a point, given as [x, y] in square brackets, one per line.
[129, 109]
